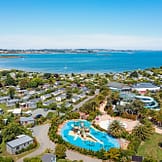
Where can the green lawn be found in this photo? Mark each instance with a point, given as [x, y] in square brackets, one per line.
[150, 147]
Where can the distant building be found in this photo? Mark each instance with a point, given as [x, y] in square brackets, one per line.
[144, 87]
[27, 120]
[16, 112]
[12, 102]
[22, 141]
[44, 97]
[4, 99]
[28, 105]
[74, 99]
[61, 97]
[116, 86]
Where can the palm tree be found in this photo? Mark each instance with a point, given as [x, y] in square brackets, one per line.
[143, 132]
[100, 98]
[93, 105]
[113, 154]
[116, 129]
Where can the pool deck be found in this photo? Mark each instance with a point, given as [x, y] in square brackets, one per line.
[130, 124]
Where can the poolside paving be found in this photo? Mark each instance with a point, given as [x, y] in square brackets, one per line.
[72, 155]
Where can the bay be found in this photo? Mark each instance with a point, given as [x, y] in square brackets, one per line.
[84, 63]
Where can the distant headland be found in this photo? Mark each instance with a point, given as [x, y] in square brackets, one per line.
[50, 51]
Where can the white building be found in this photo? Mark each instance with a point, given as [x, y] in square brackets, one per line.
[143, 87]
[61, 97]
[44, 97]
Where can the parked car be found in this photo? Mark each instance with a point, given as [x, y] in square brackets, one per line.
[38, 116]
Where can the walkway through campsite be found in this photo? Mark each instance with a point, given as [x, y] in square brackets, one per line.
[41, 134]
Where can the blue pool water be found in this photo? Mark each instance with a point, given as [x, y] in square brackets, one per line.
[105, 141]
[84, 63]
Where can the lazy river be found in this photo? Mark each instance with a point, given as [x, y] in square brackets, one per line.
[82, 134]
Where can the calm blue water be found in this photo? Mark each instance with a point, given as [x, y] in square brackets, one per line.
[84, 63]
[106, 141]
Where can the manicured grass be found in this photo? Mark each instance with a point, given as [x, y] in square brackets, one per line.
[150, 147]
[3, 106]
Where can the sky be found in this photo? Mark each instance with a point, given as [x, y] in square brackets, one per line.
[112, 24]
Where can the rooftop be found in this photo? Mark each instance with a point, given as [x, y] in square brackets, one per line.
[49, 158]
[118, 85]
[21, 140]
[23, 119]
[144, 85]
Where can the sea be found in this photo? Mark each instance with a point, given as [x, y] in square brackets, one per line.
[104, 62]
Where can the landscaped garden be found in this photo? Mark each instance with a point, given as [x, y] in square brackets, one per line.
[151, 148]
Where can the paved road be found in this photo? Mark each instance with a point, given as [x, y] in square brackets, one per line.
[41, 134]
[41, 111]
[76, 107]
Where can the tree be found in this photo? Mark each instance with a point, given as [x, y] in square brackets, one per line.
[100, 98]
[34, 159]
[10, 81]
[60, 151]
[11, 92]
[113, 154]
[73, 115]
[143, 132]
[1, 122]
[12, 130]
[6, 159]
[24, 83]
[47, 75]
[35, 82]
[134, 74]
[116, 129]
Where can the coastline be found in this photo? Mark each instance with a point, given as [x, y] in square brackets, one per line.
[9, 56]
[3, 69]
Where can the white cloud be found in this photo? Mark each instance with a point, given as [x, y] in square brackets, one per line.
[81, 41]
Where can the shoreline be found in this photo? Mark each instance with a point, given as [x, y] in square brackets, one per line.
[10, 56]
[75, 73]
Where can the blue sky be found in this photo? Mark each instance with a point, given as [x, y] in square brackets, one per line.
[119, 24]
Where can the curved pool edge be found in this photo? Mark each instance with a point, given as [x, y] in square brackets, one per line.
[103, 139]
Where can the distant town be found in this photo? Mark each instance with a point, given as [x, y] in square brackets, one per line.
[47, 51]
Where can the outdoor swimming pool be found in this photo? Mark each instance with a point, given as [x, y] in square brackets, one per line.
[93, 139]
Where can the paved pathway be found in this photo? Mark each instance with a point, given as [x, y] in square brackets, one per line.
[72, 155]
[41, 134]
[76, 107]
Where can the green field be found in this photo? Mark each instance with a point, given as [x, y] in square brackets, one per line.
[150, 147]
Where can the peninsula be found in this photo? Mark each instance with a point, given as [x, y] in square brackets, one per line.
[48, 51]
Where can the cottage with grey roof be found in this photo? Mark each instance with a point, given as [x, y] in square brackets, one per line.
[49, 158]
[27, 120]
[22, 141]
